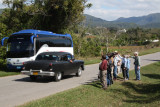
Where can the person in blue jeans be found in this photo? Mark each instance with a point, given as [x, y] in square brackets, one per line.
[115, 64]
[127, 67]
[109, 69]
[137, 65]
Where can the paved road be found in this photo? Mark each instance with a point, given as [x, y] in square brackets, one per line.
[17, 90]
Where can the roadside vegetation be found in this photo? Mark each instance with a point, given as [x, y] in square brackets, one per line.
[144, 93]
[5, 72]
[122, 50]
[92, 60]
[89, 42]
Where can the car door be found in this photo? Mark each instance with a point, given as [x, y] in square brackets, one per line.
[71, 66]
[65, 65]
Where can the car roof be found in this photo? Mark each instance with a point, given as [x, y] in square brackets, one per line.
[54, 53]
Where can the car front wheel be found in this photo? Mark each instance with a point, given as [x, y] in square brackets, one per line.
[79, 72]
[58, 76]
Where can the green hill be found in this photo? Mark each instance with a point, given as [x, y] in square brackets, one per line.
[143, 20]
[149, 21]
[98, 22]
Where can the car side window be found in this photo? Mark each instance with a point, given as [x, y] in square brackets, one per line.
[64, 58]
[47, 57]
[69, 57]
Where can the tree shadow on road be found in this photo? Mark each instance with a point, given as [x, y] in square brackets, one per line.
[152, 60]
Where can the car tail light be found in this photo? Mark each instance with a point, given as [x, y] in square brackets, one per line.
[50, 64]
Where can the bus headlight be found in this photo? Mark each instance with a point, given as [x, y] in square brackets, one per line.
[8, 62]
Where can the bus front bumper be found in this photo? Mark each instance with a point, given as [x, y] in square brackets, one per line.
[38, 73]
[14, 67]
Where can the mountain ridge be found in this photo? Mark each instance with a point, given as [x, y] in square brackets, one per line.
[142, 20]
[147, 21]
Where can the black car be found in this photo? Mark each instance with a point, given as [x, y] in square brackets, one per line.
[54, 64]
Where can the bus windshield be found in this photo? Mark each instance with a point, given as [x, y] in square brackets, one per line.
[19, 46]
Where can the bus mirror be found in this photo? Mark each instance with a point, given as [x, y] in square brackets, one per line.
[32, 38]
[2, 41]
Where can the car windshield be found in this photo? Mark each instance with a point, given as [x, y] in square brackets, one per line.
[47, 57]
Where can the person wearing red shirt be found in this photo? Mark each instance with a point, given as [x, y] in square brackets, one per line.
[103, 72]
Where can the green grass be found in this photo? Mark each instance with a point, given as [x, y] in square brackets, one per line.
[149, 51]
[4, 72]
[144, 93]
[92, 61]
[95, 60]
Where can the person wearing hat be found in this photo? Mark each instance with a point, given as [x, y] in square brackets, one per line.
[137, 65]
[116, 60]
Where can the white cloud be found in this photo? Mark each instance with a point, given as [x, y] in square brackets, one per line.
[2, 5]
[113, 9]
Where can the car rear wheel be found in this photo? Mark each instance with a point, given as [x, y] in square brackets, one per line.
[58, 76]
[33, 78]
[79, 72]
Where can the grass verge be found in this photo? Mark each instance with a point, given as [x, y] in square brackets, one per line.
[144, 93]
[4, 72]
[149, 51]
[95, 60]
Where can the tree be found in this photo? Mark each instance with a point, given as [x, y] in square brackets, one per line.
[52, 15]
[104, 32]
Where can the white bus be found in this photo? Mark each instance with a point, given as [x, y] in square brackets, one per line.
[25, 45]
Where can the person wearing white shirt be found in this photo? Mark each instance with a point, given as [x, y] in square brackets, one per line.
[115, 63]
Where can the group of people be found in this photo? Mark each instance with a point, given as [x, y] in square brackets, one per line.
[114, 62]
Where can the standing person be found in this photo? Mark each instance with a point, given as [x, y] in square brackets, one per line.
[109, 70]
[127, 66]
[119, 62]
[115, 63]
[137, 65]
[103, 72]
[123, 66]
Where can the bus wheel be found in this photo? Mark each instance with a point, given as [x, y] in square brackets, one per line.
[33, 78]
[58, 76]
[79, 72]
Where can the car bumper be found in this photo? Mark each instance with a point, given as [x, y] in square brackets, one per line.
[38, 73]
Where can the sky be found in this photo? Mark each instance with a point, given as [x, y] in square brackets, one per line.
[113, 9]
